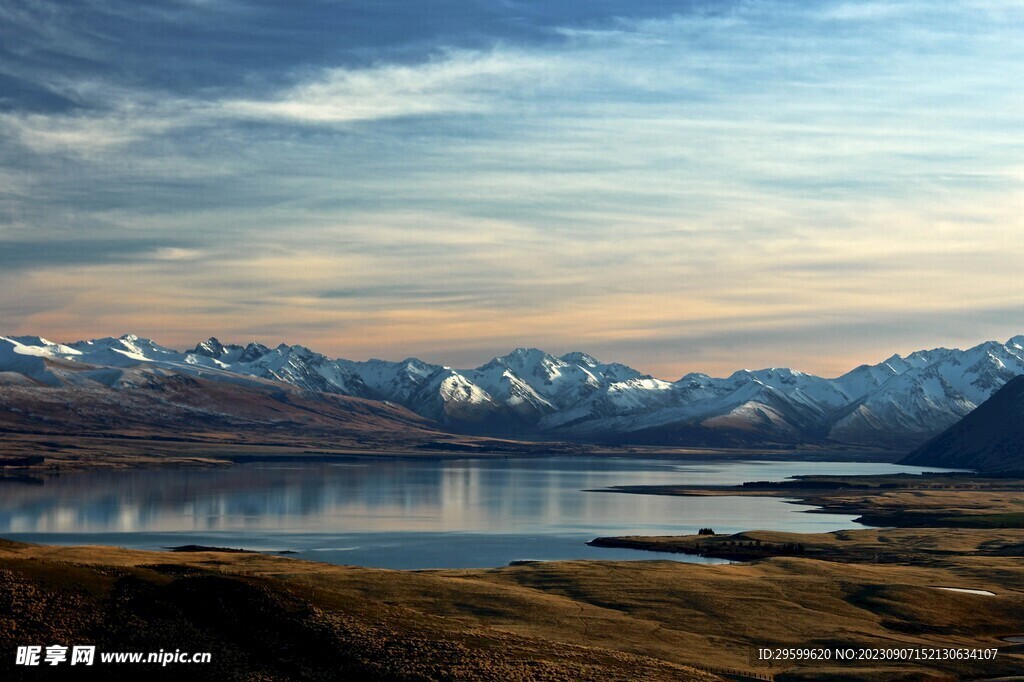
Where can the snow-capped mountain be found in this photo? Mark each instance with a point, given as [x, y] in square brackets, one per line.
[988, 439]
[900, 401]
[934, 391]
[296, 365]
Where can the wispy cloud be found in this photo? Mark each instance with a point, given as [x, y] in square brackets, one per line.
[867, 11]
[81, 135]
[453, 83]
[726, 185]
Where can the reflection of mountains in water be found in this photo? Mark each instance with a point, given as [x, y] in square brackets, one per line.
[141, 498]
[528, 495]
[398, 490]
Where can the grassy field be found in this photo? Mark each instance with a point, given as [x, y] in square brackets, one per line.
[268, 617]
[910, 546]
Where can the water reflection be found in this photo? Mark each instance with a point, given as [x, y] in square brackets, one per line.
[405, 513]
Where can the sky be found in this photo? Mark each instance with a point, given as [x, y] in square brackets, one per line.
[680, 186]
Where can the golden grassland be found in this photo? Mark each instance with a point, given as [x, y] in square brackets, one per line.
[273, 618]
[937, 548]
[282, 618]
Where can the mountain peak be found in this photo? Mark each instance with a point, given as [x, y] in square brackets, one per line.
[30, 340]
[525, 352]
[253, 351]
[520, 357]
[580, 358]
[211, 348]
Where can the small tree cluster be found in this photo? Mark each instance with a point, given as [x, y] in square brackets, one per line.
[788, 548]
[706, 531]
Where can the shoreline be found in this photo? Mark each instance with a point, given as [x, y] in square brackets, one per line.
[927, 503]
[875, 501]
[63, 454]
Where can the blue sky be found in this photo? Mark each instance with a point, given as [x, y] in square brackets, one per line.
[680, 186]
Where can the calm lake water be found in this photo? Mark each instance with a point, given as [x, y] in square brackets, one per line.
[409, 513]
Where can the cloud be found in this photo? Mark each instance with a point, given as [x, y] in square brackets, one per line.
[80, 135]
[62, 253]
[721, 186]
[454, 83]
[866, 11]
[174, 253]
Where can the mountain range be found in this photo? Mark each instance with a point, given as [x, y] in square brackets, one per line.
[989, 439]
[900, 402]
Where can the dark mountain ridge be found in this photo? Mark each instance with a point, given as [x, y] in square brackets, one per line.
[989, 439]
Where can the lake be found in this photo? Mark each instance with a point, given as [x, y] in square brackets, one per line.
[407, 513]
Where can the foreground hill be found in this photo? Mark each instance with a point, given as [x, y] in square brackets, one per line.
[898, 403]
[268, 617]
[991, 438]
[314, 625]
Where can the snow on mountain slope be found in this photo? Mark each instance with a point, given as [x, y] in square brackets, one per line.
[752, 408]
[616, 400]
[987, 439]
[88, 362]
[525, 386]
[762, 409]
[123, 351]
[555, 382]
[433, 391]
[926, 399]
[396, 381]
[576, 387]
[457, 399]
[815, 392]
[613, 372]
[36, 345]
[903, 399]
[504, 384]
[897, 401]
[26, 359]
[859, 382]
[299, 366]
